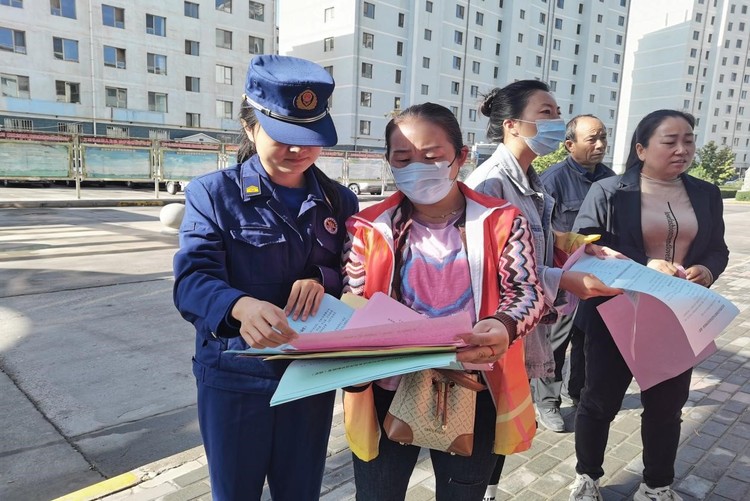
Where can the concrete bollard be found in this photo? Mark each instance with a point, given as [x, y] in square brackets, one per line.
[171, 217]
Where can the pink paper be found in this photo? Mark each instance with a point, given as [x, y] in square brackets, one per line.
[650, 338]
[423, 332]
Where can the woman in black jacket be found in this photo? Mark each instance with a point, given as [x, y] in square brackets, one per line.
[663, 218]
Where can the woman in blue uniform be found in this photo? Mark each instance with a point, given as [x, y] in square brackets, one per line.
[260, 241]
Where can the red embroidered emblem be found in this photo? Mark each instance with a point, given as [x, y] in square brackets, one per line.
[306, 100]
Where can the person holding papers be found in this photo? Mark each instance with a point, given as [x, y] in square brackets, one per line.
[661, 217]
[260, 241]
[441, 248]
[524, 120]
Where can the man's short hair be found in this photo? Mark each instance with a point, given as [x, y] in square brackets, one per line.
[570, 130]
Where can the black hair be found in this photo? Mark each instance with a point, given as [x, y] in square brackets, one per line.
[248, 121]
[645, 131]
[508, 102]
[570, 129]
[431, 112]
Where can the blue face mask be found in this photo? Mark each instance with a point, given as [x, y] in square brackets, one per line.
[549, 135]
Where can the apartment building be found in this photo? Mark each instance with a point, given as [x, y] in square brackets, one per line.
[696, 59]
[386, 56]
[133, 68]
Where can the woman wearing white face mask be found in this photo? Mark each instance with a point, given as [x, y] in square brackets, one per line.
[525, 121]
[441, 248]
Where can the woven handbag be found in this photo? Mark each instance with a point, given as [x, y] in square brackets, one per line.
[435, 409]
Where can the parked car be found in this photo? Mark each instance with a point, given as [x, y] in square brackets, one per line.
[373, 187]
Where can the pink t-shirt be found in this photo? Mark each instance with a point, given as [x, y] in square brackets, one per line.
[435, 275]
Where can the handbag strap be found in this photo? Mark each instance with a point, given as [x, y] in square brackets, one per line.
[462, 379]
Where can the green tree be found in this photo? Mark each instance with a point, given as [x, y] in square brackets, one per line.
[713, 164]
[541, 164]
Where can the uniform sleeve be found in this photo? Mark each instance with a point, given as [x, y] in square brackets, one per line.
[521, 303]
[331, 276]
[202, 293]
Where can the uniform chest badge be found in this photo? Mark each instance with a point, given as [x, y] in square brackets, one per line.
[331, 225]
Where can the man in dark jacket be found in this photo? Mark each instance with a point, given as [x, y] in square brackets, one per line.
[568, 182]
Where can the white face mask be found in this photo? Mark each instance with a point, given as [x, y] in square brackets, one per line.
[424, 183]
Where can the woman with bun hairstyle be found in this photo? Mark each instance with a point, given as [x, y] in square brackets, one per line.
[525, 120]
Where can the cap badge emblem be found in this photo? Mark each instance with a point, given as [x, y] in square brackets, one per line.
[306, 100]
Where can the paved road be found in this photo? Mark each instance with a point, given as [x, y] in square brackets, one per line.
[95, 375]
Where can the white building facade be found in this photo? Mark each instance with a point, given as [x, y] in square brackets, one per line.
[386, 56]
[697, 61]
[129, 68]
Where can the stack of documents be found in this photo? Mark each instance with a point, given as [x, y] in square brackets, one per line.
[343, 346]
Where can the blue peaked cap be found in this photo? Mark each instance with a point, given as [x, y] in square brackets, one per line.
[290, 96]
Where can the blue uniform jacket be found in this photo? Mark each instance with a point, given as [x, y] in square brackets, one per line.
[238, 239]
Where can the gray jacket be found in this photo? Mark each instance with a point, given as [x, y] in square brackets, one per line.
[501, 176]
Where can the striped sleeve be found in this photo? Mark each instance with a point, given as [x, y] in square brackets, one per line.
[353, 259]
[521, 297]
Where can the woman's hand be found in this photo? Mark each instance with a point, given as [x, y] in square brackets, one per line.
[601, 252]
[586, 285]
[699, 274]
[262, 324]
[663, 266]
[305, 298]
[487, 342]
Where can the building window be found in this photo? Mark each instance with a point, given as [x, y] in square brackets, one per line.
[368, 10]
[553, 85]
[558, 23]
[224, 109]
[617, 59]
[456, 63]
[460, 11]
[475, 67]
[366, 70]
[223, 38]
[538, 61]
[599, 18]
[555, 65]
[458, 37]
[156, 25]
[455, 87]
[12, 40]
[540, 40]
[328, 44]
[116, 97]
[328, 14]
[427, 34]
[479, 19]
[12, 3]
[401, 19]
[454, 110]
[470, 137]
[592, 98]
[597, 38]
[157, 101]
[425, 62]
[364, 127]
[593, 78]
[114, 57]
[192, 119]
[428, 6]
[495, 72]
[520, 38]
[256, 45]
[191, 9]
[522, 14]
[556, 44]
[575, 69]
[192, 48]
[223, 74]
[257, 11]
[399, 48]
[613, 95]
[560, 4]
[477, 43]
[68, 92]
[64, 8]
[425, 89]
[518, 60]
[474, 92]
[67, 127]
[696, 35]
[596, 58]
[365, 99]
[192, 84]
[224, 5]
[499, 25]
[691, 70]
[398, 76]
[15, 86]
[113, 16]
[618, 39]
[396, 103]
[497, 49]
[615, 77]
[65, 49]
[116, 131]
[542, 18]
[472, 115]
[157, 63]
